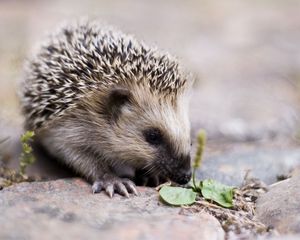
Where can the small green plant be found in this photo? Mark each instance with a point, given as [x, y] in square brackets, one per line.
[177, 196]
[201, 141]
[11, 176]
[217, 192]
[209, 189]
[27, 158]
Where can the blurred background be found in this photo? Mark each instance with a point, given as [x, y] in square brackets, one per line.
[244, 54]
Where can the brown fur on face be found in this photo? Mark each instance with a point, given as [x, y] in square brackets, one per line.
[118, 139]
[117, 134]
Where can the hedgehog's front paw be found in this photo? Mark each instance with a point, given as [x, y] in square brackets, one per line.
[112, 184]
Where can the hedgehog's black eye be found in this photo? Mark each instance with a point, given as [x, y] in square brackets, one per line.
[153, 136]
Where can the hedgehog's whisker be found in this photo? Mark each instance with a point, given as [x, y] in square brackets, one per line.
[150, 170]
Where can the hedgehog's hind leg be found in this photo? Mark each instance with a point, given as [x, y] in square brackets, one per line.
[113, 184]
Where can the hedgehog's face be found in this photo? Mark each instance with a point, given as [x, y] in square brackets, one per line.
[172, 164]
[150, 133]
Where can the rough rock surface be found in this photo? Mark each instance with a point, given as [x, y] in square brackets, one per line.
[280, 206]
[264, 164]
[66, 209]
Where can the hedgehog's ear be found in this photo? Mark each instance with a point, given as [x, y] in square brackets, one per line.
[117, 98]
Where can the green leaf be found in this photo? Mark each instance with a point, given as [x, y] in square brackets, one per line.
[177, 195]
[218, 192]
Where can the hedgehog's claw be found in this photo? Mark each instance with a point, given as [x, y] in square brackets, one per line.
[130, 186]
[115, 185]
[97, 186]
[122, 189]
[109, 189]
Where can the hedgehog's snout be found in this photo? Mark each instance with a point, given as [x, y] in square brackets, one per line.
[183, 178]
[182, 172]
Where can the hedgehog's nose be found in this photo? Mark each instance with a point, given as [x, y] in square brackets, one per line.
[184, 178]
[185, 173]
[182, 172]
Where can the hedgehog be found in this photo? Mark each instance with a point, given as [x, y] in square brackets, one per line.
[110, 107]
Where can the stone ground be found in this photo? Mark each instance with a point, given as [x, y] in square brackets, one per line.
[245, 56]
[66, 209]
